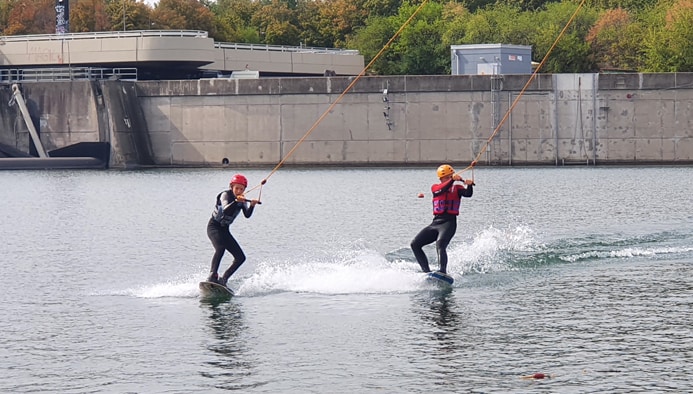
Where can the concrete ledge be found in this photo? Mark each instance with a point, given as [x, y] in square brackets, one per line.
[51, 163]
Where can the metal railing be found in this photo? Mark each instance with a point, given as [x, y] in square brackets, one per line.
[174, 33]
[66, 74]
[106, 34]
[283, 48]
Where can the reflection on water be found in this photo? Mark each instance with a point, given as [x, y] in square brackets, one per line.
[231, 364]
[439, 308]
[443, 334]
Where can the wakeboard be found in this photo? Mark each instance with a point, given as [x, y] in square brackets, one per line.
[441, 279]
[215, 290]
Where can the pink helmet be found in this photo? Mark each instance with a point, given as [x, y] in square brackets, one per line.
[240, 179]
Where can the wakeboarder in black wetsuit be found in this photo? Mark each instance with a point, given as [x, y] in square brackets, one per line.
[229, 204]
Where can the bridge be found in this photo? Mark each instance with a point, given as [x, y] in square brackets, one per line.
[162, 54]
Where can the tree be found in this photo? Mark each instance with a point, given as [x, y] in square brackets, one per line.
[277, 23]
[329, 23]
[31, 17]
[128, 15]
[418, 50]
[628, 5]
[5, 9]
[455, 17]
[89, 15]
[381, 7]
[183, 15]
[420, 44]
[310, 24]
[504, 23]
[233, 20]
[371, 38]
[669, 44]
[615, 41]
[572, 52]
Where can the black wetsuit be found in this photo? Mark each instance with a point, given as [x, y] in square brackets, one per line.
[226, 210]
[441, 230]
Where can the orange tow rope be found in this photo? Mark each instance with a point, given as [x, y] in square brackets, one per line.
[341, 96]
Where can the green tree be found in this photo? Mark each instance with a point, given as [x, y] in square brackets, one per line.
[128, 15]
[669, 42]
[572, 52]
[371, 38]
[233, 20]
[421, 47]
[474, 5]
[277, 23]
[629, 5]
[381, 7]
[455, 17]
[418, 50]
[310, 24]
[504, 23]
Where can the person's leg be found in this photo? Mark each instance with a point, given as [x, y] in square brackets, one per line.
[216, 235]
[424, 237]
[447, 231]
[238, 258]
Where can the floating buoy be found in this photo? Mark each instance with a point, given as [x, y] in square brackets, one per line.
[420, 195]
[537, 375]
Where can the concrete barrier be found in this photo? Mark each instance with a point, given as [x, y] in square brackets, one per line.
[560, 119]
[386, 120]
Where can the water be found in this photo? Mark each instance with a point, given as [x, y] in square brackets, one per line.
[583, 274]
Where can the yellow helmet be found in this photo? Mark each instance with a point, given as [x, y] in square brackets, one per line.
[445, 170]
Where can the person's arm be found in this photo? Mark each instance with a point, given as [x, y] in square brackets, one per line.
[441, 188]
[248, 210]
[227, 199]
[231, 204]
[466, 191]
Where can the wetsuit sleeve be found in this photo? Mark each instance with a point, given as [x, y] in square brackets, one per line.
[247, 211]
[226, 200]
[441, 188]
[465, 192]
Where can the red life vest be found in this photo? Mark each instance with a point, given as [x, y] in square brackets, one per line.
[446, 201]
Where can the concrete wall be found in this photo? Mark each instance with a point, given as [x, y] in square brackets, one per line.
[68, 113]
[560, 119]
[63, 114]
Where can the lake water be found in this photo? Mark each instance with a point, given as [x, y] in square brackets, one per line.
[582, 273]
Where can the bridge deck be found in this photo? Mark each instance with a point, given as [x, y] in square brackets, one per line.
[154, 52]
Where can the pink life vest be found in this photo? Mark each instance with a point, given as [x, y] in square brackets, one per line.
[446, 201]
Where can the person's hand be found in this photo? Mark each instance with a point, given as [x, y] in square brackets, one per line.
[254, 202]
[469, 182]
[241, 198]
[456, 177]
